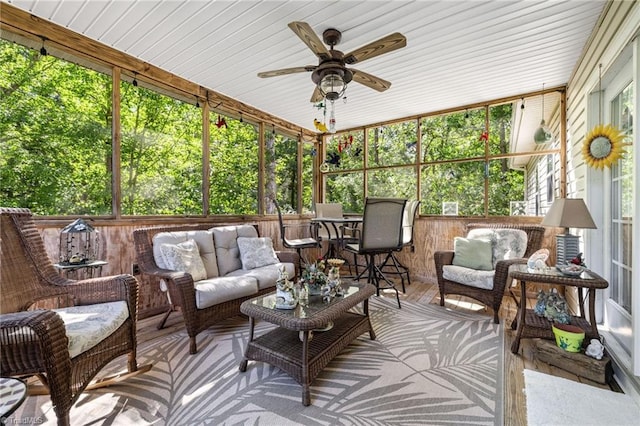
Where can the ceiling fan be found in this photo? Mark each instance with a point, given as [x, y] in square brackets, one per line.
[331, 75]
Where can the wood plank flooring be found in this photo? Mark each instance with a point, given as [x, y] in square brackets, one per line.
[425, 292]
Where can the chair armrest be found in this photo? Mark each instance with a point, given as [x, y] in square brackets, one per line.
[35, 341]
[501, 277]
[106, 289]
[311, 227]
[443, 257]
[350, 233]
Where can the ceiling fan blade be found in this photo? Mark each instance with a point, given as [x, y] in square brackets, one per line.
[369, 80]
[310, 38]
[384, 45]
[316, 96]
[285, 71]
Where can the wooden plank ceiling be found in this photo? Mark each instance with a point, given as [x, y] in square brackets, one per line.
[457, 53]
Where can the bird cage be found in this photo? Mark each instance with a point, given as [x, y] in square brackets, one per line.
[80, 243]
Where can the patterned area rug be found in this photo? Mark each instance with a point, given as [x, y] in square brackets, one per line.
[428, 365]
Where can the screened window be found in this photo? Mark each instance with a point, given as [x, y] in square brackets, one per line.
[55, 121]
[234, 167]
[161, 154]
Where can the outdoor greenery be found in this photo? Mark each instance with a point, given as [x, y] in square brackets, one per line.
[57, 153]
[452, 162]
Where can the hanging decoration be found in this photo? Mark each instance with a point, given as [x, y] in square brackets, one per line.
[334, 158]
[321, 127]
[542, 134]
[43, 50]
[332, 118]
[484, 136]
[221, 122]
[345, 142]
[603, 145]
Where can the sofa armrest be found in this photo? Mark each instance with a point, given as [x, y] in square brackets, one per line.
[288, 257]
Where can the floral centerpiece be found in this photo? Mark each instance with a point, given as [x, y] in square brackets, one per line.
[313, 276]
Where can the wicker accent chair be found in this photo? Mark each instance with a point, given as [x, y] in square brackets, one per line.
[35, 342]
[491, 297]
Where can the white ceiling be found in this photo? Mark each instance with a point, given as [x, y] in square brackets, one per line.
[458, 52]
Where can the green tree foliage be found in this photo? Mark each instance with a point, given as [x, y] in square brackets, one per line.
[161, 162]
[234, 168]
[55, 134]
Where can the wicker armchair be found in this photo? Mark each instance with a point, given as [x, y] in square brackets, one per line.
[491, 297]
[35, 342]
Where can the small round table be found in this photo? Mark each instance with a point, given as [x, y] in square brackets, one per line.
[12, 395]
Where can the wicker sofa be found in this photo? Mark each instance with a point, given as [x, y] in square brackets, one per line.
[238, 265]
[486, 285]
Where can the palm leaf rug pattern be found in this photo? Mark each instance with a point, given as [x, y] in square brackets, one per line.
[427, 366]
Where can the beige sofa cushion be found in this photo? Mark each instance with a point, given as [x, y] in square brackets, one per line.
[266, 276]
[204, 240]
[227, 252]
[212, 291]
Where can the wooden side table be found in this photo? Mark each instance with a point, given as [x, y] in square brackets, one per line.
[530, 325]
[12, 395]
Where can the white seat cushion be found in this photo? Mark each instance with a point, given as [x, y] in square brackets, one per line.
[467, 276]
[212, 291]
[265, 275]
[86, 326]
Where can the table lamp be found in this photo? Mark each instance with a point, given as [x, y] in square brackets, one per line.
[568, 213]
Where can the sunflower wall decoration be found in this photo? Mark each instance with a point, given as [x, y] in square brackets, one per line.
[603, 146]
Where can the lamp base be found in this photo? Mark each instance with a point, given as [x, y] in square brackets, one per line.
[567, 248]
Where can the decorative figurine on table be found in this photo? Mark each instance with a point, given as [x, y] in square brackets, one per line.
[578, 261]
[285, 292]
[334, 276]
[552, 306]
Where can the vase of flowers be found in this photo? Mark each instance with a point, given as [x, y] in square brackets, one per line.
[314, 278]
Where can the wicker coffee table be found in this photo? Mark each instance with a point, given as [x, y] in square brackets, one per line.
[297, 346]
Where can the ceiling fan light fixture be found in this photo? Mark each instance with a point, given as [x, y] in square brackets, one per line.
[332, 86]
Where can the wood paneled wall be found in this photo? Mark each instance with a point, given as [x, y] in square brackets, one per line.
[431, 234]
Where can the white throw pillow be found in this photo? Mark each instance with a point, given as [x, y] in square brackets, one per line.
[184, 257]
[256, 252]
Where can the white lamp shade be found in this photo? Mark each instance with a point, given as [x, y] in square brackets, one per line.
[569, 213]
